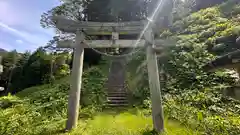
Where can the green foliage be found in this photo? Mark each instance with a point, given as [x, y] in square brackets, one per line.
[94, 93]
[62, 71]
[43, 109]
[195, 34]
[26, 70]
[207, 111]
[223, 121]
[191, 96]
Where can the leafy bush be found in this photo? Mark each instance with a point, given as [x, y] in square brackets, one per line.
[202, 119]
[94, 92]
[202, 112]
[43, 109]
[63, 70]
[9, 101]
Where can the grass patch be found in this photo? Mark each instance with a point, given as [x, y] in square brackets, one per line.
[130, 122]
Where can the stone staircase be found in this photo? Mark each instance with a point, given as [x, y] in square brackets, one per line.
[117, 98]
[116, 88]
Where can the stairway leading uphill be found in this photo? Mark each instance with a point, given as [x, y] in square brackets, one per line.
[117, 94]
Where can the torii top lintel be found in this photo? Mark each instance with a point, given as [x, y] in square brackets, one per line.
[98, 28]
[162, 9]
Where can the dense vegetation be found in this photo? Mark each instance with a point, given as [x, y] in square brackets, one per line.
[192, 96]
[26, 70]
[195, 34]
[23, 70]
[37, 110]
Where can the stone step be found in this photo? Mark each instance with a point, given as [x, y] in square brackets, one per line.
[116, 93]
[116, 85]
[115, 75]
[115, 79]
[117, 101]
[117, 98]
[112, 90]
[116, 88]
[113, 84]
[118, 105]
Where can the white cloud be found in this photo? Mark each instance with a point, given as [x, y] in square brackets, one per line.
[32, 38]
[15, 31]
[22, 23]
[19, 41]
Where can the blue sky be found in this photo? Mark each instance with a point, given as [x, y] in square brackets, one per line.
[20, 24]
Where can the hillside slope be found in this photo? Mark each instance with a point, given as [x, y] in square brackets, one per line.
[41, 110]
[196, 35]
[195, 93]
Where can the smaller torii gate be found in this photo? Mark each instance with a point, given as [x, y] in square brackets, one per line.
[92, 28]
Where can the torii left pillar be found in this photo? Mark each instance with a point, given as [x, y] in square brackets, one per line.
[76, 82]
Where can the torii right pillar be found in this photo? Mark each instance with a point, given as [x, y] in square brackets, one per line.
[154, 83]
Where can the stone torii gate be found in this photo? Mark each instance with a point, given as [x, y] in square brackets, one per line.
[92, 28]
[124, 28]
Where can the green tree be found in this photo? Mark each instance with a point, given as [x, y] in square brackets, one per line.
[18, 73]
[26, 70]
[9, 64]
